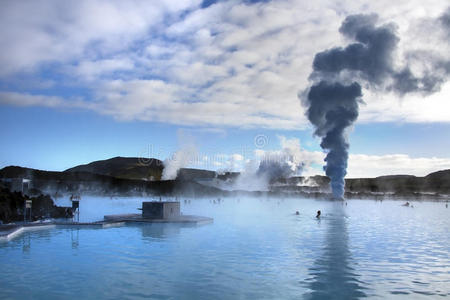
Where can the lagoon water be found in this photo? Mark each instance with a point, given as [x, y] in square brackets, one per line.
[255, 249]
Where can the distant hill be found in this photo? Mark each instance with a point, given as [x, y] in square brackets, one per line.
[57, 183]
[133, 176]
[137, 169]
[124, 167]
[34, 174]
[190, 174]
[437, 182]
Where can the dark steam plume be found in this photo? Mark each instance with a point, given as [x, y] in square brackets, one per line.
[333, 108]
[332, 100]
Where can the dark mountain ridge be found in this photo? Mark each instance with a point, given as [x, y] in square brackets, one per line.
[124, 167]
[57, 183]
[133, 176]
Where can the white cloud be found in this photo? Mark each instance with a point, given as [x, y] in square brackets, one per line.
[367, 166]
[34, 32]
[411, 108]
[91, 70]
[231, 64]
[361, 165]
[237, 157]
[225, 162]
[19, 99]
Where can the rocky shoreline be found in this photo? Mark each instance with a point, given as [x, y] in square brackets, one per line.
[12, 207]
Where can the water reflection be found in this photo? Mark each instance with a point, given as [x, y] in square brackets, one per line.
[74, 236]
[332, 276]
[24, 239]
[26, 243]
[159, 231]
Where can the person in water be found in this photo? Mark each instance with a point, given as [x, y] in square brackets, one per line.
[297, 213]
[318, 214]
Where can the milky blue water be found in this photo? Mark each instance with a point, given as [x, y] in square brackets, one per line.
[255, 249]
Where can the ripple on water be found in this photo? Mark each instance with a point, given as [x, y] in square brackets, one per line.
[253, 250]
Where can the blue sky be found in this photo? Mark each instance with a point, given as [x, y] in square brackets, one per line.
[89, 80]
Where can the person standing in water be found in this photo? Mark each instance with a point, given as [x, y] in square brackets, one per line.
[318, 214]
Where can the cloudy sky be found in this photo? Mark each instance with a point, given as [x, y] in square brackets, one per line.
[88, 80]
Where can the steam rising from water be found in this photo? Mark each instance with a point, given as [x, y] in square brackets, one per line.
[331, 119]
[179, 159]
[332, 101]
[289, 161]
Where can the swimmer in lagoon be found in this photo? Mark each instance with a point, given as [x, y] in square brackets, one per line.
[318, 214]
[297, 213]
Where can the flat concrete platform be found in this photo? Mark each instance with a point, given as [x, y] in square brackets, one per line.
[10, 231]
[190, 219]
